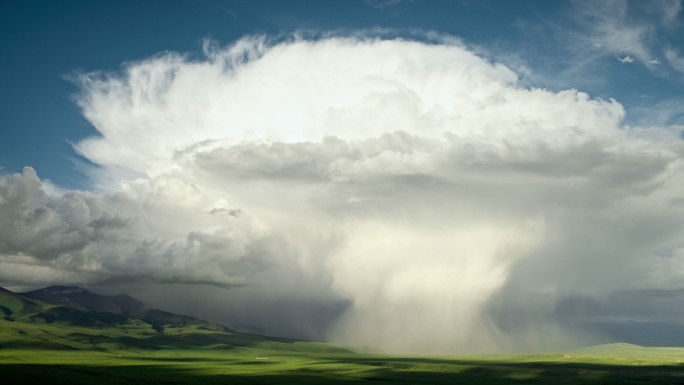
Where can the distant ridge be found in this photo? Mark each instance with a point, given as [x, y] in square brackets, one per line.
[75, 305]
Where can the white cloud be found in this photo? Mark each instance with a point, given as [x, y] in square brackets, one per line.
[402, 195]
[626, 59]
[143, 229]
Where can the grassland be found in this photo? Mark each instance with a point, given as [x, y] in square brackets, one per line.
[46, 353]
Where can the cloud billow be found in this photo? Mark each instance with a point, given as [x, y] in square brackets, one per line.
[399, 195]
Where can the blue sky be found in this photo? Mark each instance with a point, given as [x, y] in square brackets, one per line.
[44, 43]
[412, 176]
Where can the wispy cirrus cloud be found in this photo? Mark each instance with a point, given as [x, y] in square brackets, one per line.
[675, 59]
[384, 5]
[626, 29]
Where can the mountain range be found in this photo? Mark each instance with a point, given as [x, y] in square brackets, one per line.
[76, 306]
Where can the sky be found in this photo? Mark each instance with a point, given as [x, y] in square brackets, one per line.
[401, 176]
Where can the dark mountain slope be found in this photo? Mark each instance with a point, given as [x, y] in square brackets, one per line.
[75, 297]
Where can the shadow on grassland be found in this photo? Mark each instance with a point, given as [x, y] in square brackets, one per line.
[162, 341]
[337, 372]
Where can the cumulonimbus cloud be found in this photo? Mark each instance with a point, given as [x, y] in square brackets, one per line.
[401, 195]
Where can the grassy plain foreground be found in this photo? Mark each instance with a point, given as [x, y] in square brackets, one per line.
[55, 354]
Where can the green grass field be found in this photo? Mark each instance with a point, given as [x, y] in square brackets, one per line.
[45, 353]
